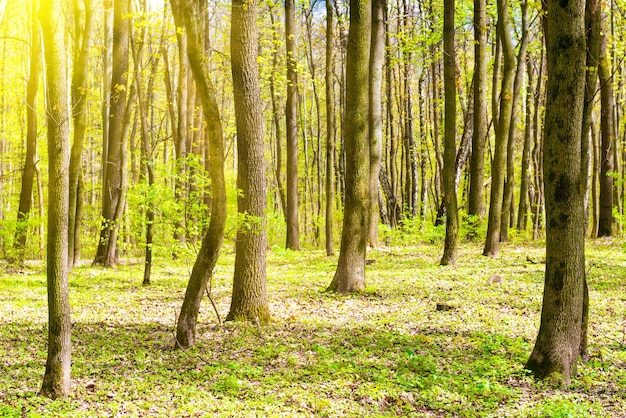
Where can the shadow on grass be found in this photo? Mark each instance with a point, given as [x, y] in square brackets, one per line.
[294, 366]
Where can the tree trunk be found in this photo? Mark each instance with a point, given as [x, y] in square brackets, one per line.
[508, 204]
[278, 172]
[331, 131]
[607, 134]
[249, 300]
[556, 351]
[498, 169]
[291, 114]
[84, 34]
[195, 24]
[477, 163]
[522, 210]
[377, 58]
[56, 380]
[350, 273]
[450, 250]
[592, 28]
[28, 173]
[113, 187]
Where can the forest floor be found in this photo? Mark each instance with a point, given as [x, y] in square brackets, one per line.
[386, 352]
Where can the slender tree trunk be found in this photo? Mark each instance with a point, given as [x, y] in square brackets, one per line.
[291, 114]
[350, 273]
[56, 380]
[607, 131]
[508, 204]
[330, 128]
[113, 186]
[498, 169]
[195, 22]
[28, 173]
[278, 172]
[522, 210]
[84, 34]
[249, 300]
[592, 29]
[377, 58]
[477, 164]
[450, 250]
[557, 347]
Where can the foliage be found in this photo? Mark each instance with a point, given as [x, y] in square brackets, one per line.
[385, 352]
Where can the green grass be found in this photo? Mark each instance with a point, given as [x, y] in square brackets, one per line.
[386, 352]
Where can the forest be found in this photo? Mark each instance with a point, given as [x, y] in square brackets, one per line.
[312, 208]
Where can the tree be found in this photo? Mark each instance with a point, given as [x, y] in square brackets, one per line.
[83, 24]
[558, 342]
[498, 168]
[249, 301]
[56, 380]
[449, 83]
[350, 273]
[377, 58]
[477, 165]
[113, 188]
[30, 162]
[190, 13]
[330, 128]
[291, 114]
[607, 134]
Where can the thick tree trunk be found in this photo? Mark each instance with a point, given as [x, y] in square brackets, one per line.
[350, 273]
[291, 114]
[249, 300]
[557, 348]
[377, 58]
[28, 173]
[56, 380]
[113, 187]
[195, 24]
[477, 163]
[330, 129]
[449, 81]
[498, 169]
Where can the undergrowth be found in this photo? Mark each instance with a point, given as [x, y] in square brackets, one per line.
[386, 352]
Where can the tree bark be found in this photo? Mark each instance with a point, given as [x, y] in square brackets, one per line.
[557, 347]
[498, 169]
[291, 114]
[249, 300]
[508, 204]
[84, 34]
[451, 245]
[477, 163]
[56, 380]
[30, 162]
[350, 273]
[377, 58]
[331, 131]
[195, 24]
[113, 187]
[607, 135]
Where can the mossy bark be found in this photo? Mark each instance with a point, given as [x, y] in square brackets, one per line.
[557, 348]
